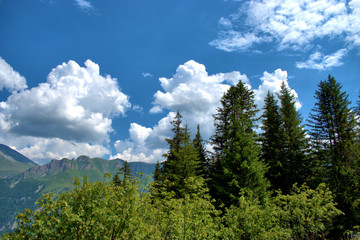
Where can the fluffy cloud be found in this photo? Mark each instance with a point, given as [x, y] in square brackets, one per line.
[10, 79]
[272, 82]
[290, 24]
[67, 116]
[318, 61]
[196, 95]
[76, 103]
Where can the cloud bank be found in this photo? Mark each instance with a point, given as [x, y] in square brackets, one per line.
[72, 109]
[196, 94]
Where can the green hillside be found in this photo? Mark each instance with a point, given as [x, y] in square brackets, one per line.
[21, 191]
[13, 162]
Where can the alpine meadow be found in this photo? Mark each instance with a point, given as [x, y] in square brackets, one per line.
[157, 119]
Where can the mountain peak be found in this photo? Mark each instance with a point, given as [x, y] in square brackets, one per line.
[12, 162]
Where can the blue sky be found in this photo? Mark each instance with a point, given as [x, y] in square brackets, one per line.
[104, 78]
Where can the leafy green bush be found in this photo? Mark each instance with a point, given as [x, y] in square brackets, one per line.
[303, 214]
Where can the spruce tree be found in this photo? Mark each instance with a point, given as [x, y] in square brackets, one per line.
[332, 130]
[295, 163]
[272, 140]
[182, 161]
[237, 168]
[199, 146]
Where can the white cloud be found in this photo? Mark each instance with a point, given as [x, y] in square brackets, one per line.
[42, 150]
[146, 75]
[318, 61]
[139, 133]
[272, 82]
[10, 79]
[84, 4]
[290, 24]
[76, 103]
[196, 94]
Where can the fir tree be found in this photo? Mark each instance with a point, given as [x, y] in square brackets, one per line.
[272, 141]
[295, 163]
[237, 167]
[333, 134]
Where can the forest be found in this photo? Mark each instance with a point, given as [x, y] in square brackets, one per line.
[273, 177]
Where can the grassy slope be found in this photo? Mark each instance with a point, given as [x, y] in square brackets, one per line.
[13, 162]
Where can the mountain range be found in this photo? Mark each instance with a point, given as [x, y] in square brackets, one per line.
[22, 181]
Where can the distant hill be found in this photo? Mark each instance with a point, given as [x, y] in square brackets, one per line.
[21, 191]
[13, 162]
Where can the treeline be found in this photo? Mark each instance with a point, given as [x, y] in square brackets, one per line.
[280, 182]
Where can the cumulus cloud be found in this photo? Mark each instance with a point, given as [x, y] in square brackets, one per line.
[196, 94]
[272, 82]
[192, 92]
[9, 78]
[76, 103]
[289, 24]
[318, 61]
[145, 144]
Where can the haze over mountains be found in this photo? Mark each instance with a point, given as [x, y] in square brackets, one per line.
[22, 181]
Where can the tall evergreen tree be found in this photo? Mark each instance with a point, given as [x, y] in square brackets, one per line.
[182, 161]
[126, 174]
[199, 146]
[332, 129]
[157, 172]
[295, 163]
[236, 167]
[272, 140]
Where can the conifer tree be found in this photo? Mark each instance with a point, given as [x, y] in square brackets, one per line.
[157, 172]
[182, 160]
[272, 141]
[295, 163]
[332, 130]
[199, 146]
[236, 167]
[125, 171]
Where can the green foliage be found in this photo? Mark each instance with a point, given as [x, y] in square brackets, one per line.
[303, 214]
[309, 213]
[90, 211]
[106, 211]
[126, 174]
[190, 217]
